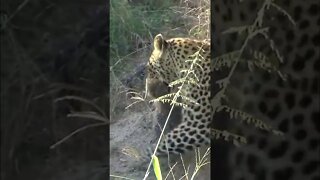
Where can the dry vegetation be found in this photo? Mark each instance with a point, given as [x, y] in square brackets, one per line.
[52, 84]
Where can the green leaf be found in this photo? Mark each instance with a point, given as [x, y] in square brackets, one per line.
[156, 167]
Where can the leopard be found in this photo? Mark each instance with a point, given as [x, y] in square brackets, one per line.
[170, 61]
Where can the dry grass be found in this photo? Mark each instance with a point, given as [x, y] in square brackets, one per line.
[37, 67]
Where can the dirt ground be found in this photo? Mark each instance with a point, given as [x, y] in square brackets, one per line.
[129, 138]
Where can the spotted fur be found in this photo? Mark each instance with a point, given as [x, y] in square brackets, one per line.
[167, 60]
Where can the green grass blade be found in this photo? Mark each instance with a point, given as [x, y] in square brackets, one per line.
[156, 167]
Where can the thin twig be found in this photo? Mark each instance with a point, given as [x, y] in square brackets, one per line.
[24, 3]
[121, 177]
[75, 132]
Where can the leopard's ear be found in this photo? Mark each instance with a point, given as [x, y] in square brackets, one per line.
[159, 42]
